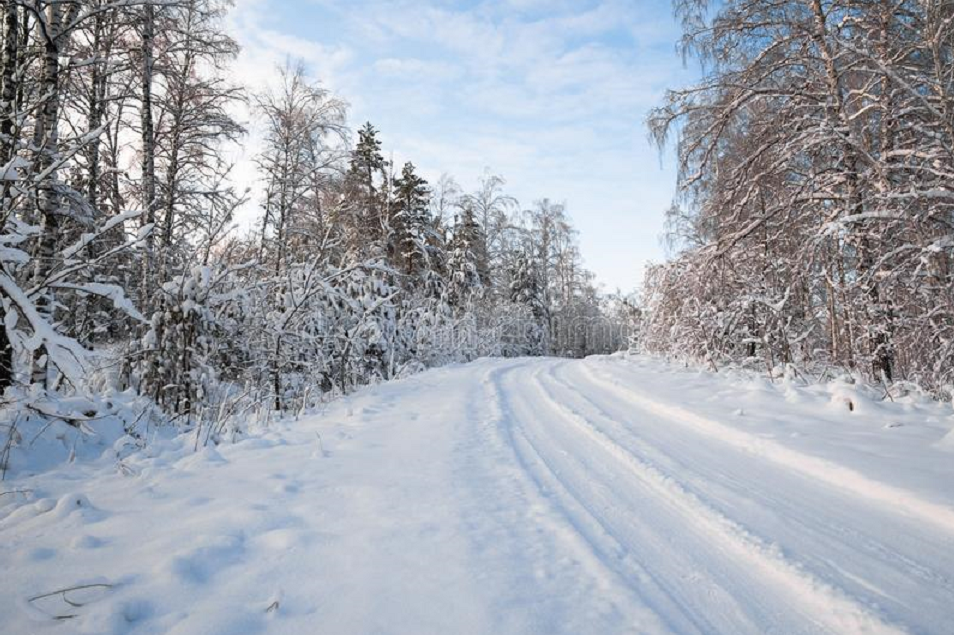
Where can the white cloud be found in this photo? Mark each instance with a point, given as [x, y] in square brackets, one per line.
[417, 69]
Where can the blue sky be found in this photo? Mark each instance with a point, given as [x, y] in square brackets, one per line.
[550, 94]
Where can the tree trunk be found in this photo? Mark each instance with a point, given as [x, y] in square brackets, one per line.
[277, 376]
[172, 170]
[96, 107]
[8, 90]
[48, 196]
[148, 152]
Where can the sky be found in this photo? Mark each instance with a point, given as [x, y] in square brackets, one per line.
[550, 94]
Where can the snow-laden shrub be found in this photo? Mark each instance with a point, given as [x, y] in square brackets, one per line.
[192, 341]
[46, 428]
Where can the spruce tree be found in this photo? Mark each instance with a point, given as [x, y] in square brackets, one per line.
[410, 222]
[464, 282]
[367, 163]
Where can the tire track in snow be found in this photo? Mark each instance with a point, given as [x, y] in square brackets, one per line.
[641, 554]
[588, 536]
[854, 541]
[837, 612]
[832, 474]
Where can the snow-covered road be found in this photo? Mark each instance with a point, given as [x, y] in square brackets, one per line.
[510, 496]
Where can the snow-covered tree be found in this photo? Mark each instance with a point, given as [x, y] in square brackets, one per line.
[815, 205]
[411, 224]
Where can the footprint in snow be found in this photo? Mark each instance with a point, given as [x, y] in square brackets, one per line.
[198, 565]
[38, 554]
[198, 501]
[287, 488]
[86, 541]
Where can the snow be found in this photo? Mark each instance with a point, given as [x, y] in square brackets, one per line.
[606, 495]
[14, 169]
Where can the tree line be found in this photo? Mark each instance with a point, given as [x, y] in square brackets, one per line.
[814, 225]
[122, 272]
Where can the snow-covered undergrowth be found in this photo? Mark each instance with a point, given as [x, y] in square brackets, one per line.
[41, 431]
[531, 495]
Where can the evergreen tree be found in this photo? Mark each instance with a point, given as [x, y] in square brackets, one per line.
[410, 223]
[367, 167]
[526, 289]
[468, 231]
[464, 283]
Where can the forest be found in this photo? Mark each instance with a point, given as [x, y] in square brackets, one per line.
[127, 286]
[814, 226]
[812, 233]
[265, 368]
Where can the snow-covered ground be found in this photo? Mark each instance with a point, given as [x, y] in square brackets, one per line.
[606, 495]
